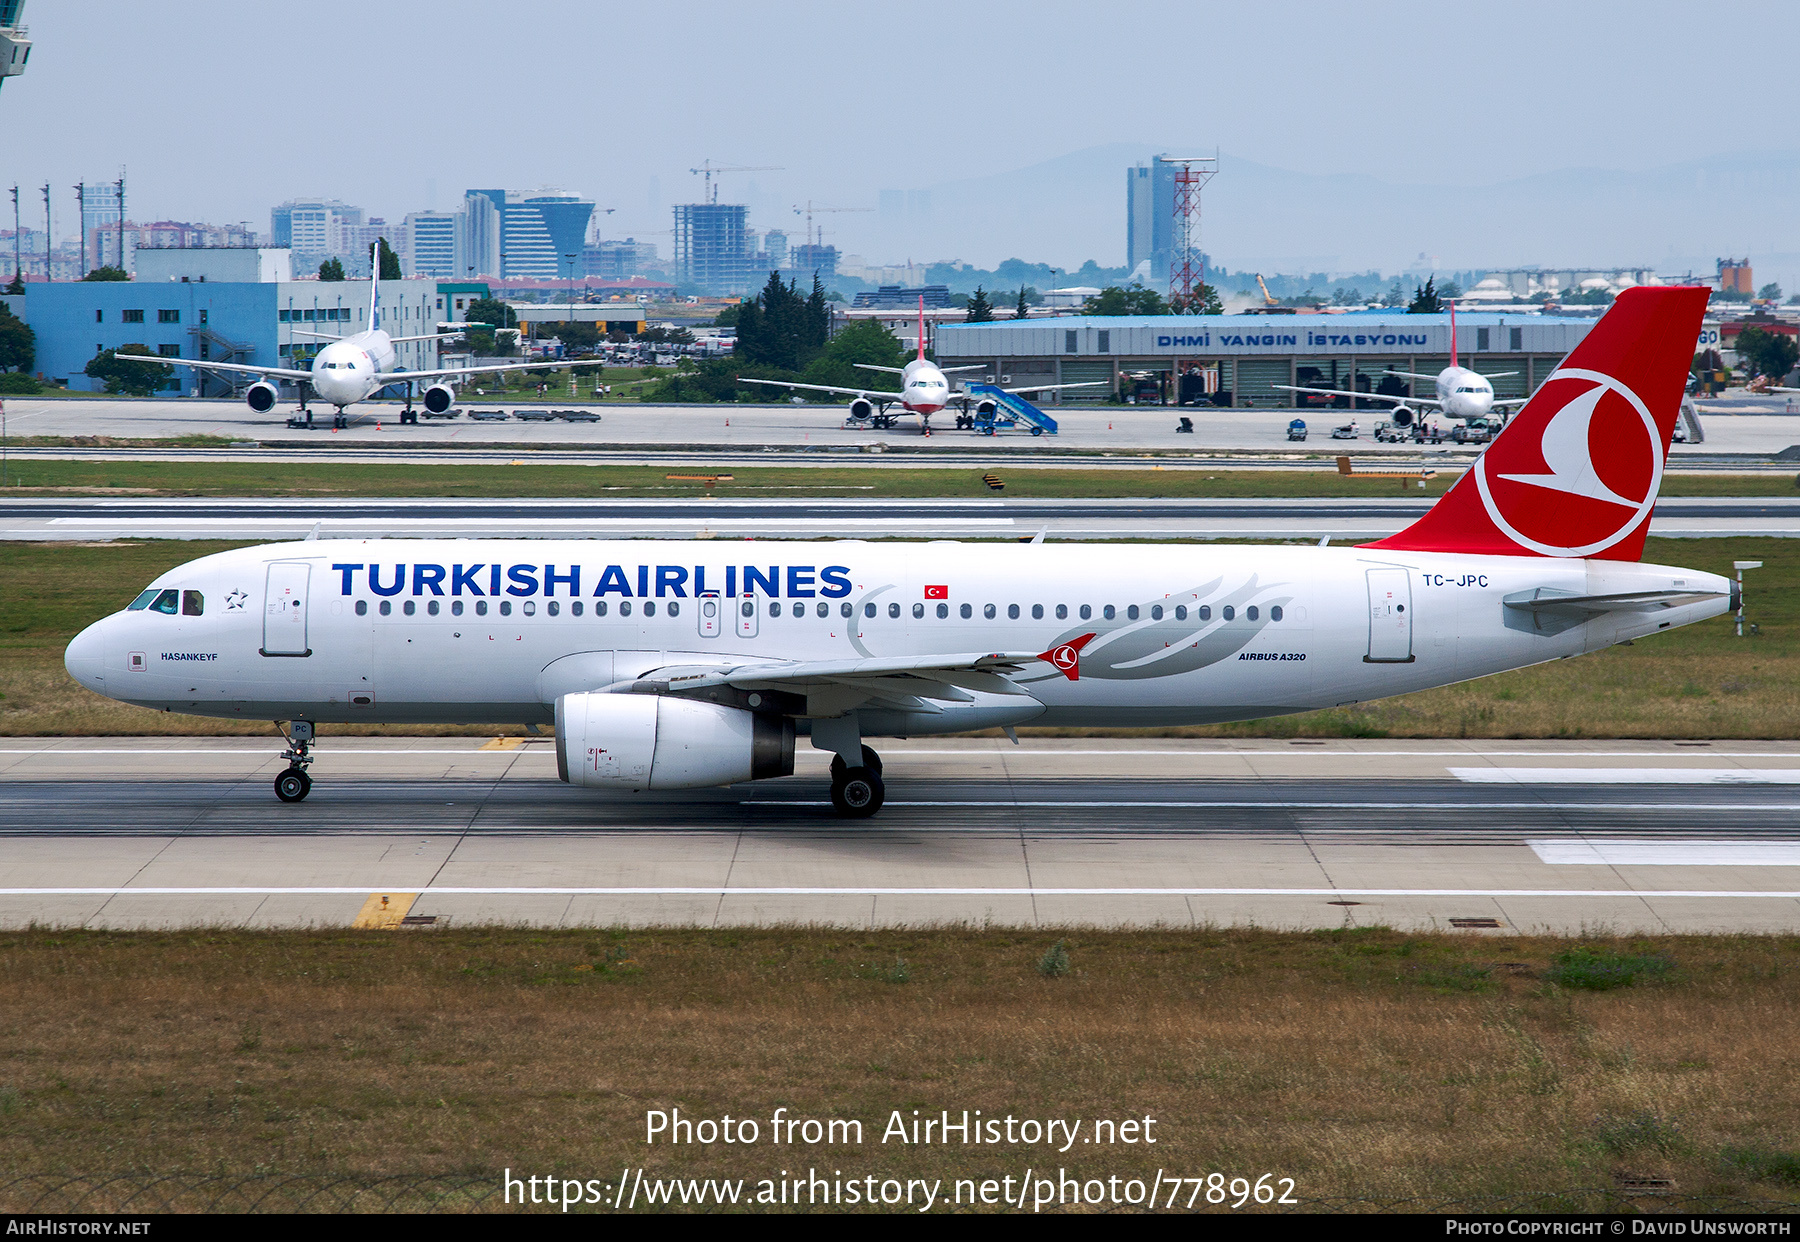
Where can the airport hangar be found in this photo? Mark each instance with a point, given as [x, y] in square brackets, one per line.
[1237, 360]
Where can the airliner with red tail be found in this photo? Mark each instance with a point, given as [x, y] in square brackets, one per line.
[686, 664]
[924, 389]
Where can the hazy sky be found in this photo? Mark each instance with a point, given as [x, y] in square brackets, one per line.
[220, 110]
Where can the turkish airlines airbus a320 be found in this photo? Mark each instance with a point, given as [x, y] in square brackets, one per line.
[675, 665]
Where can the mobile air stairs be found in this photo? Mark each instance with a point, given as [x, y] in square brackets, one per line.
[994, 409]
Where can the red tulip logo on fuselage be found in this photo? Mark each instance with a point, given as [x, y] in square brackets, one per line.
[1589, 476]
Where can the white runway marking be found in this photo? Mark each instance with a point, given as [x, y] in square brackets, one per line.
[714, 890]
[1281, 803]
[1629, 776]
[1669, 853]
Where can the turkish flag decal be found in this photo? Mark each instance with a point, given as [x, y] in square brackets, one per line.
[937, 592]
[1065, 658]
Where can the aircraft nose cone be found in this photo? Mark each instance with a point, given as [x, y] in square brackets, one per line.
[86, 658]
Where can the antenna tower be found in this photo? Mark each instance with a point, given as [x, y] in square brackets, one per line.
[1187, 268]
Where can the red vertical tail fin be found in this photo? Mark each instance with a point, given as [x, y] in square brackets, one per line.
[1577, 470]
[921, 327]
[1453, 361]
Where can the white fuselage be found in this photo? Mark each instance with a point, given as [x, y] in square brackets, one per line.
[497, 631]
[1462, 393]
[923, 388]
[350, 370]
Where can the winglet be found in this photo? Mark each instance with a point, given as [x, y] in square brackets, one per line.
[1066, 657]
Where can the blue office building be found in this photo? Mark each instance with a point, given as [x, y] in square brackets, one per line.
[267, 323]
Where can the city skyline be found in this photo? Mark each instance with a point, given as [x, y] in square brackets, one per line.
[1413, 152]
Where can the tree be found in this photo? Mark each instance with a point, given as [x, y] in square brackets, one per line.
[574, 334]
[1136, 300]
[134, 379]
[980, 309]
[1425, 301]
[389, 267]
[1770, 292]
[1767, 353]
[491, 311]
[17, 283]
[728, 317]
[865, 341]
[1023, 309]
[18, 343]
[108, 272]
[779, 328]
[331, 269]
[1203, 301]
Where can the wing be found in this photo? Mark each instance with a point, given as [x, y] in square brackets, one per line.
[848, 392]
[426, 336]
[1360, 396]
[392, 376]
[870, 366]
[286, 373]
[907, 683]
[317, 336]
[1512, 401]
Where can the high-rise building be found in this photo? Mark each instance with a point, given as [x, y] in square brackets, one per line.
[775, 245]
[1149, 216]
[316, 229]
[478, 234]
[541, 235]
[711, 247]
[620, 260]
[430, 245]
[809, 259]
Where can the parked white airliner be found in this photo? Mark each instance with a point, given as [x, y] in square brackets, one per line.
[351, 368]
[1461, 393]
[924, 389]
[672, 665]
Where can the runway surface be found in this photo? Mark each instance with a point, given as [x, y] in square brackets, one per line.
[1503, 836]
[1743, 424]
[107, 518]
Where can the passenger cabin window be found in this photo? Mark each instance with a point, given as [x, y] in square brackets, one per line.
[362, 607]
[1109, 612]
[193, 604]
[919, 611]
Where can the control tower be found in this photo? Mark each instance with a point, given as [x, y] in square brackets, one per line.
[15, 48]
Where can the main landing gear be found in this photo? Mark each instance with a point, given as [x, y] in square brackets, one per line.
[294, 784]
[857, 793]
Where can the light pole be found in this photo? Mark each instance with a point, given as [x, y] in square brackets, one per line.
[1741, 566]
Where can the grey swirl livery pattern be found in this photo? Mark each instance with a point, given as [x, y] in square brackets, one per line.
[1124, 650]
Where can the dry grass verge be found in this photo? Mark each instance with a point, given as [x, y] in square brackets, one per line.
[1358, 1062]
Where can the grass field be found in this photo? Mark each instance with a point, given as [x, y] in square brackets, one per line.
[277, 478]
[1357, 1062]
[1696, 682]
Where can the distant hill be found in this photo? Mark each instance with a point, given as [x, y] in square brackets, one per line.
[1072, 208]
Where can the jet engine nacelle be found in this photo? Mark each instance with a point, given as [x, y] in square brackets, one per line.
[644, 741]
[439, 398]
[1402, 417]
[262, 396]
[984, 410]
[861, 408]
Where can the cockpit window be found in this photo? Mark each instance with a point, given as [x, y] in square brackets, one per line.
[166, 601]
[193, 604]
[143, 601]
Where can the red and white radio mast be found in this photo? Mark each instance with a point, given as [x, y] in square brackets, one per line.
[1187, 268]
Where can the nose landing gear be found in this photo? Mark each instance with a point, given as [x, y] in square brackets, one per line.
[294, 784]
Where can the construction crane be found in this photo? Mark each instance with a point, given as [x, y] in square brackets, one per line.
[809, 211]
[1268, 298]
[708, 169]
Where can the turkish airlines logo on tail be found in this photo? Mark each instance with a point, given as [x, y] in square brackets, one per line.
[1587, 479]
[1065, 658]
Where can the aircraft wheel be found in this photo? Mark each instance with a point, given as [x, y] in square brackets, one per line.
[1037, 431]
[859, 794]
[293, 785]
[871, 761]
